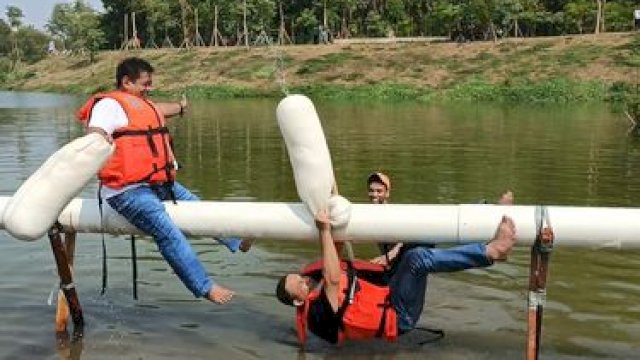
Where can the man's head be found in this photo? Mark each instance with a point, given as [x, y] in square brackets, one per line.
[133, 75]
[293, 289]
[379, 187]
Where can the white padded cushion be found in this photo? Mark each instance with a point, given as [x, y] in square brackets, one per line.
[339, 211]
[308, 151]
[35, 207]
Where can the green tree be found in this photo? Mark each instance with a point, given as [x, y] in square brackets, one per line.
[5, 38]
[15, 15]
[619, 15]
[581, 13]
[158, 19]
[398, 18]
[306, 25]
[376, 25]
[446, 18]
[77, 24]
[112, 21]
[33, 43]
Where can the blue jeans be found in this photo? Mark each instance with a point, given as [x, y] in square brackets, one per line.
[409, 282]
[142, 207]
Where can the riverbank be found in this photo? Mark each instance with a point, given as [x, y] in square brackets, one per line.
[534, 70]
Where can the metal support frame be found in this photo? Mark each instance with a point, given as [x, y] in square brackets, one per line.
[538, 273]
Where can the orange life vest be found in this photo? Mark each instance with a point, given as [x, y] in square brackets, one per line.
[143, 148]
[365, 308]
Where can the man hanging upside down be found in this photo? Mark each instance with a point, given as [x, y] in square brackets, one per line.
[339, 300]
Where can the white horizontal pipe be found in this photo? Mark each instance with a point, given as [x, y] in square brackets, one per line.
[573, 226]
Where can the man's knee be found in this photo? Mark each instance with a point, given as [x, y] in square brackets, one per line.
[182, 193]
[418, 251]
[419, 258]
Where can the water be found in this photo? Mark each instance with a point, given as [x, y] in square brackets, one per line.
[435, 154]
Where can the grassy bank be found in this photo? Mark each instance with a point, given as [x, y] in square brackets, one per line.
[549, 70]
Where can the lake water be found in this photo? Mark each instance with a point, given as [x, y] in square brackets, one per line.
[232, 149]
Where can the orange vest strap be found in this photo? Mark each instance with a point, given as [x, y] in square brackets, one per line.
[135, 159]
[365, 310]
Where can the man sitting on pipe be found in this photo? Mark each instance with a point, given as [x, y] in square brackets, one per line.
[141, 173]
[340, 300]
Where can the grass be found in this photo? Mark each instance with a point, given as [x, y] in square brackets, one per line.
[522, 70]
[324, 63]
[524, 91]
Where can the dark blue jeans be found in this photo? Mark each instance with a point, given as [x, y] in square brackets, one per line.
[142, 207]
[409, 282]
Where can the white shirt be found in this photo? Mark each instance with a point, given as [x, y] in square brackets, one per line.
[636, 14]
[108, 115]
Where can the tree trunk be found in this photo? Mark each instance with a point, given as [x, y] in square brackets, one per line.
[492, 29]
[604, 6]
[244, 22]
[324, 14]
[185, 30]
[598, 17]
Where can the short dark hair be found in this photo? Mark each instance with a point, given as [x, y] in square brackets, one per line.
[131, 67]
[379, 177]
[282, 294]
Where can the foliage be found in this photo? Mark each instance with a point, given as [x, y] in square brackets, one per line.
[459, 19]
[77, 24]
[546, 91]
[33, 43]
[14, 15]
[5, 38]
[307, 25]
[19, 42]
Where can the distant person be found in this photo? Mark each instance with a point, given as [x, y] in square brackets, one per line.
[141, 173]
[323, 35]
[51, 49]
[636, 19]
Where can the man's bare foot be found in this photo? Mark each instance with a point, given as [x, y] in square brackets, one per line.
[220, 295]
[503, 241]
[506, 198]
[245, 245]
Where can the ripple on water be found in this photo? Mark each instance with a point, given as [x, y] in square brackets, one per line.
[232, 149]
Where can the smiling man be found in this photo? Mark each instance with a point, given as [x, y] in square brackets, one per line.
[142, 171]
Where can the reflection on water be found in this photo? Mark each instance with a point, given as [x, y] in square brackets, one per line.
[436, 154]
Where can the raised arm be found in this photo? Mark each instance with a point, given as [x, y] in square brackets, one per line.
[330, 260]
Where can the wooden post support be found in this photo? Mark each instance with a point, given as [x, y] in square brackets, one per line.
[282, 32]
[186, 38]
[66, 279]
[538, 271]
[198, 40]
[215, 35]
[62, 309]
[125, 38]
[134, 40]
[245, 32]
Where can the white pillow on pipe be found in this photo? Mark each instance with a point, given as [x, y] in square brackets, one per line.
[308, 152]
[36, 205]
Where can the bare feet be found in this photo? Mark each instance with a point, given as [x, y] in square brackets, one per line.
[220, 295]
[506, 198]
[503, 241]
